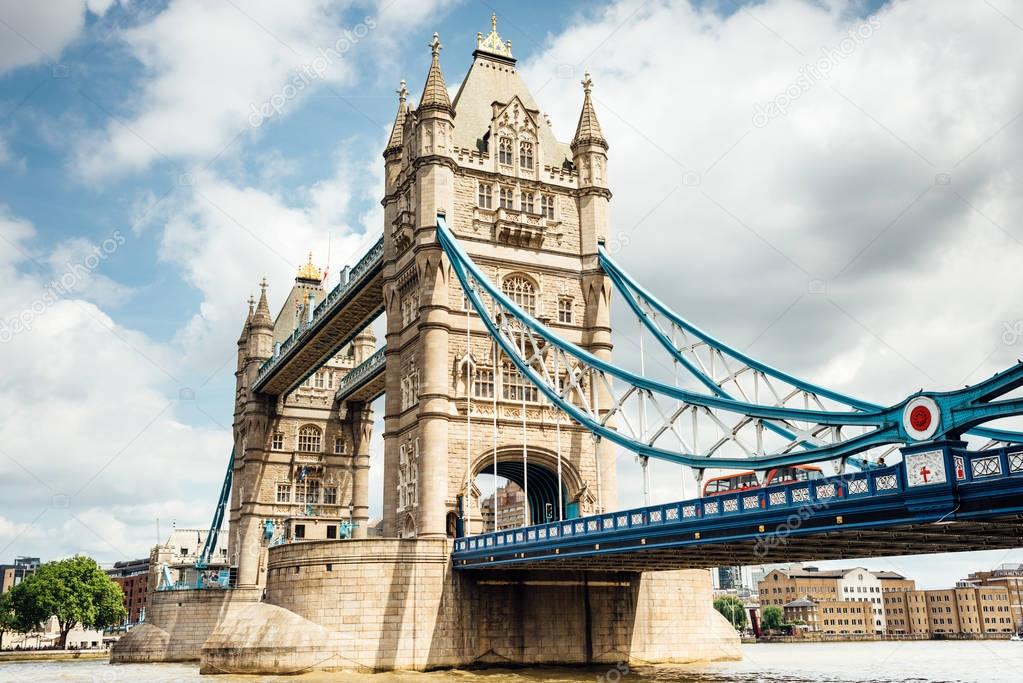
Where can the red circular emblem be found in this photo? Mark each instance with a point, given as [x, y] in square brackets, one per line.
[920, 418]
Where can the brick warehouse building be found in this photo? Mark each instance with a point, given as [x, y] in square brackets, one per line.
[133, 578]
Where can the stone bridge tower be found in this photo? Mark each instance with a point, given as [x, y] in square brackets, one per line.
[530, 210]
[299, 467]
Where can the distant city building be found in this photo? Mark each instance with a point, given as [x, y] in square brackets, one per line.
[1008, 576]
[831, 616]
[977, 611]
[511, 504]
[782, 586]
[13, 574]
[757, 575]
[728, 578]
[179, 554]
[48, 636]
[133, 578]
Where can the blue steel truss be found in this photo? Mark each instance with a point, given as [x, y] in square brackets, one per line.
[577, 382]
[218, 517]
[728, 372]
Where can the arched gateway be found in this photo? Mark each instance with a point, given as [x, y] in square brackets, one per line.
[548, 496]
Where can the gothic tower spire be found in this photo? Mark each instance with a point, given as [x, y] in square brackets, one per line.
[588, 131]
[248, 322]
[261, 318]
[435, 92]
[394, 142]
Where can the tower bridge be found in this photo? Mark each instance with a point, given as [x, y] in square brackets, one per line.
[496, 293]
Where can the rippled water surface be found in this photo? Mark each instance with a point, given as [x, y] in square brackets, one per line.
[879, 662]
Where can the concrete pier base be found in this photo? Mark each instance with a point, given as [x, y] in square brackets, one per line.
[387, 604]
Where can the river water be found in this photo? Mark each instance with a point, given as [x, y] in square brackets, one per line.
[876, 662]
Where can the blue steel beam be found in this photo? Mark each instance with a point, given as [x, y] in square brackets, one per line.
[218, 517]
[888, 423]
[633, 292]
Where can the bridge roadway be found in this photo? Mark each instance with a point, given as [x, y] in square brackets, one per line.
[345, 312]
[365, 382]
[881, 512]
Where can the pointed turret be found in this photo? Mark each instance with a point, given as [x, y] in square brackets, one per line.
[261, 327]
[394, 142]
[589, 155]
[261, 316]
[309, 272]
[435, 92]
[588, 131]
[492, 43]
[248, 322]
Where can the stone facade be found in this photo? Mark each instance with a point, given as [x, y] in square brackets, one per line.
[178, 623]
[530, 210]
[961, 611]
[295, 455]
[397, 604]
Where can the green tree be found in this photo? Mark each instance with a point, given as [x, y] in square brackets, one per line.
[75, 591]
[8, 621]
[733, 610]
[772, 618]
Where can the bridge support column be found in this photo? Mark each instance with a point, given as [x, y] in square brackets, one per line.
[246, 530]
[598, 294]
[361, 417]
[434, 405]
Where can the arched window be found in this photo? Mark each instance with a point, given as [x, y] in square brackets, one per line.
[522, 291]
[526, 155]
[408, 475]
[505, 151]
[309, 439]
[515, 386]
[408, 529]
[451, 524]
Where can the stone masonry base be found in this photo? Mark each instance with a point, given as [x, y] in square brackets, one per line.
[387, 604]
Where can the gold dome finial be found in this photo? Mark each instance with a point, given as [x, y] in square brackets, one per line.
[310, 271]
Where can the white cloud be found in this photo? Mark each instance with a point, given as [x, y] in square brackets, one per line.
[843, 191]
[92, 409]
[11, 531]
[36, 32]
[210, 68]
[225, 236]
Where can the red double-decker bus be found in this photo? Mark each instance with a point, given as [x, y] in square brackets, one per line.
[747, 481]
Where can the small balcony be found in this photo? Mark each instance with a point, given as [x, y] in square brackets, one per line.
[516, 227]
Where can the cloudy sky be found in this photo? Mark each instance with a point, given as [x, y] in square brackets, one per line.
[833, 187]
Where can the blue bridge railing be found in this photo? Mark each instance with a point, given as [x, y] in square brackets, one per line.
[355, 279]
[888, 483]
[351, 381]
